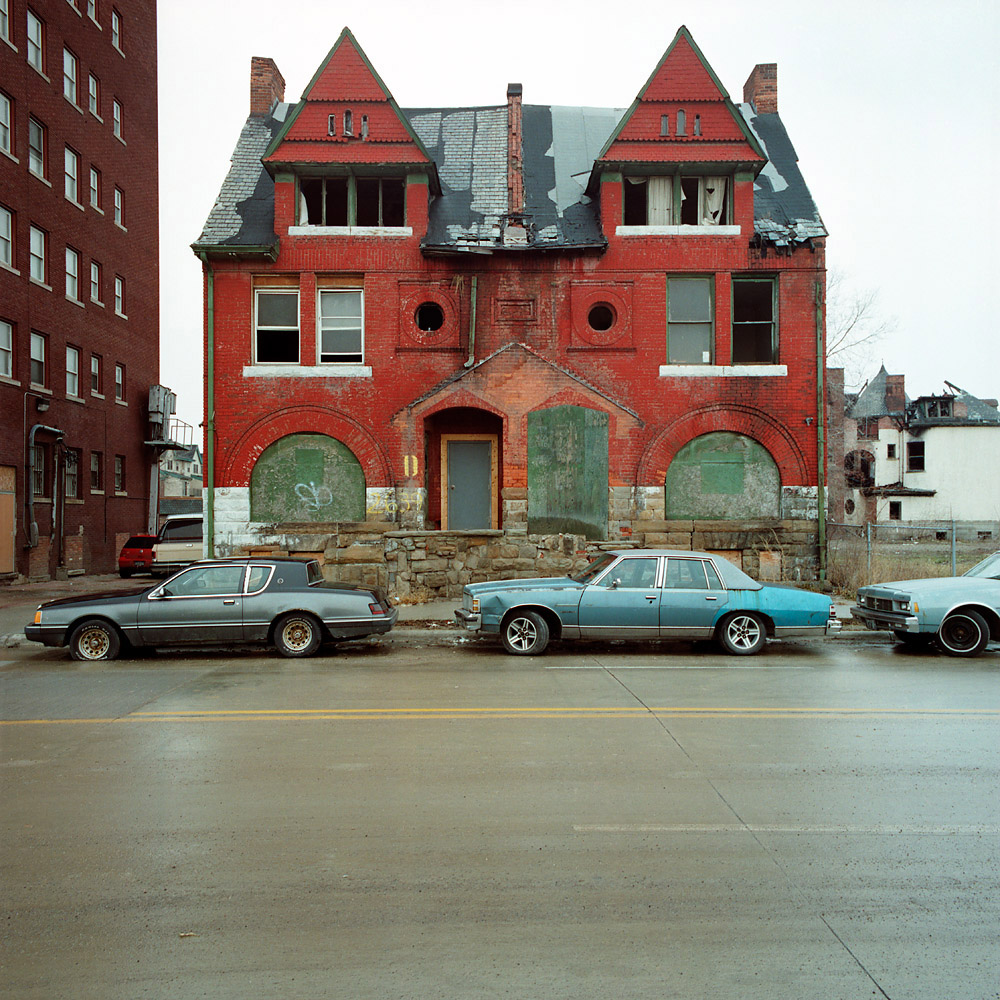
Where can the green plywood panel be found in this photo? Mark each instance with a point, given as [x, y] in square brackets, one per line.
[307, 477]
[722, 476]
[568, 471]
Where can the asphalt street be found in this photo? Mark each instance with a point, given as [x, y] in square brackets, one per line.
[424, 816]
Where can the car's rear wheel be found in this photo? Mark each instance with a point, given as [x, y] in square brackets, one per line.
[94, 640]
[124, 573]
[742, 633]
[297, 635]
[963, 633]
[525, 633]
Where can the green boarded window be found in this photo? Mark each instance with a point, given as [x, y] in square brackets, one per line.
[568, 471]
[307, 477]
[722, 476]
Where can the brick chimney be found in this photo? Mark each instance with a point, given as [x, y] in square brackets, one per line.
[761, 89]
[895, 394]
[267, 85]
[515, 161]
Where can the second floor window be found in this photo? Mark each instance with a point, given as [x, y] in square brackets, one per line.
[95, 281]
[755, 333]
[95, 188]
[120, 207]
[690, 328]
[120, 383]
[276, 338]
[119, 295]
[915, 461]
[95, 374]
[352, 201]
[116, 111]
[683, 201]
[341, 326]
[94, 95]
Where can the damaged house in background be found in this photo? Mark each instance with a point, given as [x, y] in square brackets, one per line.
[444, 344]
[925, 462]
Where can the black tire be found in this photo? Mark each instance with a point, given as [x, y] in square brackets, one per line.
[297, 634]
[963, 633]
[94, 640]
[915, 640]
[742, 633]
[124, 573]
[525, 633]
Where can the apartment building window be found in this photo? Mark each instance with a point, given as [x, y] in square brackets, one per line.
[72, 274]
[116, 118]
[71, 83]
[120, 383]
[36, 42]
[71, 475]
[6, 124]
[119, 207]
[755, 339]
[276, 334]
[96, 472]
[72, 173]
[36, 147]
[39, 461]
[690, 326]
[4, 20]
[6, 237]
[6, 349]
[38, 365]
[96, 374]
[120, 295]
[341, 326]
[119, 473]
[92, 10]
[915, 456]
[116, 30]
[37, 255]
[73, 371]
[352, 201]
[94, 95]
[95, 188]
[95, 282]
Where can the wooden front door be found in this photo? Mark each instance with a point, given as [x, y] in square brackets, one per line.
[8, 518]
[468, 481]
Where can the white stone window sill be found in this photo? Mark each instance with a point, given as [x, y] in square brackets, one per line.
[4, 266]
[10, 156]
[723, 371]
[678, 231]
[398, 231]
[307, 371]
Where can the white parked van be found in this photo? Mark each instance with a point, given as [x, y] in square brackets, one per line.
[178, 542]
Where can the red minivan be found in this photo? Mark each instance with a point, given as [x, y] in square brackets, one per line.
[136, 555]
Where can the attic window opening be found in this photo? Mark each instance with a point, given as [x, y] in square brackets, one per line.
[429, 317]
[331, 125]
[681, 123]
[664, 124]
[364, 126]
[352, 201]
[704, 201]
[380, 201]
[697, 124]
[348, 123]
[601, 317]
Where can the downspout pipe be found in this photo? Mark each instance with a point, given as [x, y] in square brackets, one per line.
[30, 525]
[472, 322]
[821, 429]
[209, 407]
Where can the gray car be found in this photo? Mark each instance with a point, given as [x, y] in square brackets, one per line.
[285, 603]
[960, 614]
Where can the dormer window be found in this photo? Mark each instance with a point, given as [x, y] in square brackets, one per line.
[348, 123]
[352, 201]
[658, 201]
[331, 125]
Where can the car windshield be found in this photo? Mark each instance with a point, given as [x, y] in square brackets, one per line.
[595, 568]
[988, 569]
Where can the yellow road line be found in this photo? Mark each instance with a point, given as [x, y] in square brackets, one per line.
[536, 712]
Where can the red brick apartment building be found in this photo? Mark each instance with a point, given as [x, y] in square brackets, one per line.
[79, 326]
[448, 343]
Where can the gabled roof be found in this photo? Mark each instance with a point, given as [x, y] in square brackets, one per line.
[682, 81]
[347, 83]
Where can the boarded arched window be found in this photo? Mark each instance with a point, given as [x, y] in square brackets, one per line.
[307, 477]
[723, 477]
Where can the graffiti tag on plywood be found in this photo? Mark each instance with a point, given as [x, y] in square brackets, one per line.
[313, 496]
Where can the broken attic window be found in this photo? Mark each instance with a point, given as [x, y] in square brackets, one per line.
[352, 201]
[697, 124]
[754, 339]
[648, 201]
[331, 125]
[348, 122]
[380, 201]
[364, 126]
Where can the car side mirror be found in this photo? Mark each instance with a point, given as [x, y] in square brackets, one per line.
[616, 582]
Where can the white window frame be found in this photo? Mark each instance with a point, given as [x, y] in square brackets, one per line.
[6, 349]
[120, 296]
[71, 171]
[119, 473]
[73, 372]
[119, 383]
[277, 290]
[119, 208]
[38, 352]
[116, 30]
[36, 151]
[36, 42]
[96, 375]
[4, 21]
[94, 95]
[72, 274]
[6, 237]
[6, 124]
[95, 282]
[38, 267]
[116, 119]
[71, 77]
[92, 11]
[95, 189]
[325, 358]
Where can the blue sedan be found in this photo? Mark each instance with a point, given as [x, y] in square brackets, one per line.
[643, 594]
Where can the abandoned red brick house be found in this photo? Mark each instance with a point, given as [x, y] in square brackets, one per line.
[453, 342]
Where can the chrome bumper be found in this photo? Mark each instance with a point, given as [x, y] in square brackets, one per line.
[885, 621]
[473, 622]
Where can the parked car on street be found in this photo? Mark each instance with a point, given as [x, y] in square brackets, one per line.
[179, 543]
[136, 556]
[284, 603]
[645, 594]
[959, 614]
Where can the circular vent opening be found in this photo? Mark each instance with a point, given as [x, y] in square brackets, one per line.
[429, 317]
[601, 317]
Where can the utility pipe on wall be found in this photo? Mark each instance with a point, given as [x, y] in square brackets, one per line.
[209, 408]
[821, 428]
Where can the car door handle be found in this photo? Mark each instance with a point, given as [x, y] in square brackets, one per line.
[711, 598]
[229, 601]
[651, 597]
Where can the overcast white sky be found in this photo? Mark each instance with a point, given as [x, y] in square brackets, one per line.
[891, 106]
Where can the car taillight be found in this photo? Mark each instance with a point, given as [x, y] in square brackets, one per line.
[833, 611]
[376, 609]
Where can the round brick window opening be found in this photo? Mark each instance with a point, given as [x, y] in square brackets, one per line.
[601, 317]
[429, 317]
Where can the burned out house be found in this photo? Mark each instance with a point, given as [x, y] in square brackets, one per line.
[448, 343]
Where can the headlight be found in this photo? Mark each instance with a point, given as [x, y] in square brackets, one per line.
[904, 605]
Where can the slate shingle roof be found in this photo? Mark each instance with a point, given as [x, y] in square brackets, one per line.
[469, 146]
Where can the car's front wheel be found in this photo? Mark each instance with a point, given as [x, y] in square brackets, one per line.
[94, 640]
[742, 633]
[297, 635]
[525, 633]
[963, 633]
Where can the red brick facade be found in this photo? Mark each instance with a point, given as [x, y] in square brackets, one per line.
[116, 229]
[516, 334]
